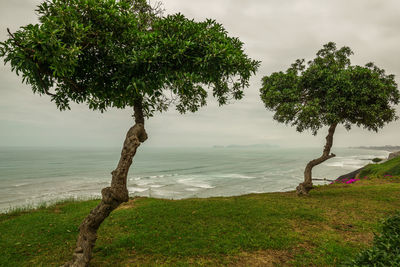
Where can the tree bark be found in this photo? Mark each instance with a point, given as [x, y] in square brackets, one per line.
[112, 196]
[305, 187]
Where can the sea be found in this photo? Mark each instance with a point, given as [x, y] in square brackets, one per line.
[38, 176]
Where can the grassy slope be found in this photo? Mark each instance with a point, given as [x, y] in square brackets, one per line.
[391, 167]
[327, 227]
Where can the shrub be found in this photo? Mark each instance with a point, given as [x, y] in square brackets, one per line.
[386, 248]
[376, 160]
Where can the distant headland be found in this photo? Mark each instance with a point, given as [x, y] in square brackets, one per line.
[386, 148]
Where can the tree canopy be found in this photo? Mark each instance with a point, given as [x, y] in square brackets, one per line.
[110, 53]
[329, 90]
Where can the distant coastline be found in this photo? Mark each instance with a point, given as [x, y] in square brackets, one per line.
[386, 148]
[246, 146]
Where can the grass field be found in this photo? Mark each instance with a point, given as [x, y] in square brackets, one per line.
[331, 225]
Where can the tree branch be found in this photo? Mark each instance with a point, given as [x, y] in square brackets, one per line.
[73, 84]
[48, 93]
[12, 35]
[138, 112]
[19, 45]
[30, 55]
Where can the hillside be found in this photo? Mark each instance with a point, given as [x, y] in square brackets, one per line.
[329, 226]
[387, 169]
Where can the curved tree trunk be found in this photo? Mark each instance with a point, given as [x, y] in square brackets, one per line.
[306, 186]
[112, 196]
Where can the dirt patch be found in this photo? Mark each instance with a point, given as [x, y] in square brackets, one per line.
[263, 258]
[365, 238]
[339, 225]
[57, 210]
[128, 205]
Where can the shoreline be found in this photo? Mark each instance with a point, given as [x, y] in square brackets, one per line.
[50, 177]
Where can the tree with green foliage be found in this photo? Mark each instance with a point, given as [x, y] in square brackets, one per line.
[125, 54]
[328, 91]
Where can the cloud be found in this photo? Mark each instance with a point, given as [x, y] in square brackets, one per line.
[277, 32]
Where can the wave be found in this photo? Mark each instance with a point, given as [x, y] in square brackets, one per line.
[335, 164]
[152, 177]
[183, 169]
[236, 175]
[194, 183]
[137, 189]
[157, 185]
[23, 184]
[192, 189]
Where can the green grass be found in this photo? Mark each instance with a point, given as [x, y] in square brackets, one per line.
[330, 226]
[391, 167]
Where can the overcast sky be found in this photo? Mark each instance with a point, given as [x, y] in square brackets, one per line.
[276, 32]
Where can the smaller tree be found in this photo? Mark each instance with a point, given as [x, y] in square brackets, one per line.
[328, 91]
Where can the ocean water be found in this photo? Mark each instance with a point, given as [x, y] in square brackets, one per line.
[32, 176]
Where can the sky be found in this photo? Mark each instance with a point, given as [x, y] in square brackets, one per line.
[276, 32]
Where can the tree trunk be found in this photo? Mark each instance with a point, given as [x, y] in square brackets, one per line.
[112, 196]
[306, 186]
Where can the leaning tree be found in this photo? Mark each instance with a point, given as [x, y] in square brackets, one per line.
[120, 54]
[328, 91]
